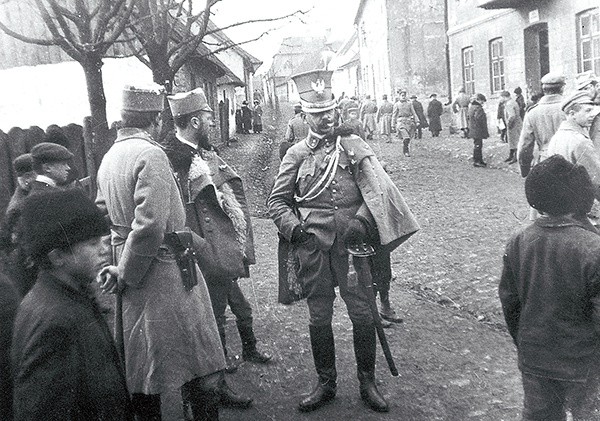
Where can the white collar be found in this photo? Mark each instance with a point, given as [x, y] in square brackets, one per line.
[185, 141]
[45, 179]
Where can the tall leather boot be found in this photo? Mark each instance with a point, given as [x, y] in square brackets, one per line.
[229, 398]
[386, 311]
[249, 351]
[323, 349]
[510, 155]
[364, 350]
[405, 148]
[513, 156]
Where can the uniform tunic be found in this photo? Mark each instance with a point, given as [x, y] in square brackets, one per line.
[405, 119]
[384, 117]
[170, 333]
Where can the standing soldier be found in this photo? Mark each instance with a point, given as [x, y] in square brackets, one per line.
[216, 210]
[514, 124]
[297, 129]
[541, 122]
[368, 113]
[384, 117]
[435, 109]
[589, 82]
[172, 346]
[404, 119]
[331, 193]
[422, 122]
[460, 107]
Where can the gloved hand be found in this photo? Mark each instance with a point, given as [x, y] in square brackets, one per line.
[356, 233]
[299, 236]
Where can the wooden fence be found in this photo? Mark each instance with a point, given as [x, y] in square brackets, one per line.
[17, 141]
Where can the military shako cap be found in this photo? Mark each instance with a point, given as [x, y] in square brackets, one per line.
[314, 89]
[143, 98]
[557, 187]
[188, 102]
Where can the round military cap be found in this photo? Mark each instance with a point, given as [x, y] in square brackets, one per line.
[47, 152]
[23, 164]
[57, 219]
[143, 98]
[480, 97]
[577, 97]
[557, 187]
[188, 102]
[314, 89]
[553, 79]
[585, 79]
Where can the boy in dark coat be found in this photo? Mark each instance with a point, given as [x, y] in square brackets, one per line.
[422, 123]
[65, 364]
[478, 129]
[550, 294]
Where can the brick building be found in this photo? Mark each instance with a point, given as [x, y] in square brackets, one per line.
[402, 45]
[498, 45]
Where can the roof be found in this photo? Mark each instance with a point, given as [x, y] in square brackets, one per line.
[221, 36]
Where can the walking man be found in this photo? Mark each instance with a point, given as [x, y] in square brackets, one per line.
[384, 117]
[514, 124]
[422, 121]
[368, 113]
[323, 209]
[173, 353]
[435, 109]
[404, 119]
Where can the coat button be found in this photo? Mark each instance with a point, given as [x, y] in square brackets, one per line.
[335, 207]
[207, 219]
[333, 190]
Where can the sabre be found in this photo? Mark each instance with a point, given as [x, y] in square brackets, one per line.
[360, 255]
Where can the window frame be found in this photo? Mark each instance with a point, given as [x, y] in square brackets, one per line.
[497, 68]
[592, 38]
[468, 69]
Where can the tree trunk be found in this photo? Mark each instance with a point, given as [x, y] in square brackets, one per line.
[163, 75]
[92, 67]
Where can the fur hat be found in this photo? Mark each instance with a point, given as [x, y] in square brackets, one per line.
[23, 164]
[145, 98]
[557, 187]
[55, 219]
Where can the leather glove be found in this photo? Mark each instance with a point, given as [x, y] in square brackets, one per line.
[356, 233]
[299, 236]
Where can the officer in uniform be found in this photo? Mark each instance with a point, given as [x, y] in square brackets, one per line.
[331, 193]
[405, 119]
[541, 122]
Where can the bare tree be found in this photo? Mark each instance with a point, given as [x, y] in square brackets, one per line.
[85, 30]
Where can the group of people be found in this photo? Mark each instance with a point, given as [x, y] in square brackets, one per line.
[249, 119]
[169, 234]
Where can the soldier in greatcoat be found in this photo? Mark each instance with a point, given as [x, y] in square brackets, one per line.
[404, 120]
[172, 348]
[514, 124]
[384, 117]
[331, 192]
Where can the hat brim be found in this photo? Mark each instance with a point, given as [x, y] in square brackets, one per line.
[312, 108]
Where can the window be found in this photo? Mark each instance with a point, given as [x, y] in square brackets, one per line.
[468, 70]
[588, 31]
[497, 65]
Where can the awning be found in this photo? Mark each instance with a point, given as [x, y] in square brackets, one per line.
[503, 4]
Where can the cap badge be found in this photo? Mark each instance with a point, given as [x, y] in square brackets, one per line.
[318, 86]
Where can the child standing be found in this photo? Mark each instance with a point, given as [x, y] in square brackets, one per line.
[550, 294]
[478, 129]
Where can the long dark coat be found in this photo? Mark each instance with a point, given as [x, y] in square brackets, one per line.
[65, 363]
[435, 109]
[9, 301]
[477, 120]
[420, 113]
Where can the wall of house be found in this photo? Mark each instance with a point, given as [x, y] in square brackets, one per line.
[374, 54]
[417, 42]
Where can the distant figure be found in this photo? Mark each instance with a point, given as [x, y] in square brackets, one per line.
[500, 122]
[549, 292]
[520, 100]
[257, 113]
[478, 129]
[352, 121]
[368, 113]
[435, 109]
[404, 119]
[297, 130]
[422, 123]
[460, 107]
[239, 128]
[246, 118]
[514, 124]
[384, 117]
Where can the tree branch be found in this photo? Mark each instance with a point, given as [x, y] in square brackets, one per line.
[233, 25]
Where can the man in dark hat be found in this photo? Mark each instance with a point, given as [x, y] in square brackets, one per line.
[330, 195]
[435, 109]
[217, 210]
[550, 294]
[172, 348]
[257, 113]
[246, 117]
[64, 362]
[478, 129]
[404, 120]
[422, 122]
[51, 163]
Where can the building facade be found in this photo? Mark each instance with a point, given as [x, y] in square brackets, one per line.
[402, 45]
[497, 45]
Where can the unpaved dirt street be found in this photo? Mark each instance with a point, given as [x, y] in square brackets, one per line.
[456, 361]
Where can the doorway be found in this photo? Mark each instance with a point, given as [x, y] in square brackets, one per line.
[537, 55]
